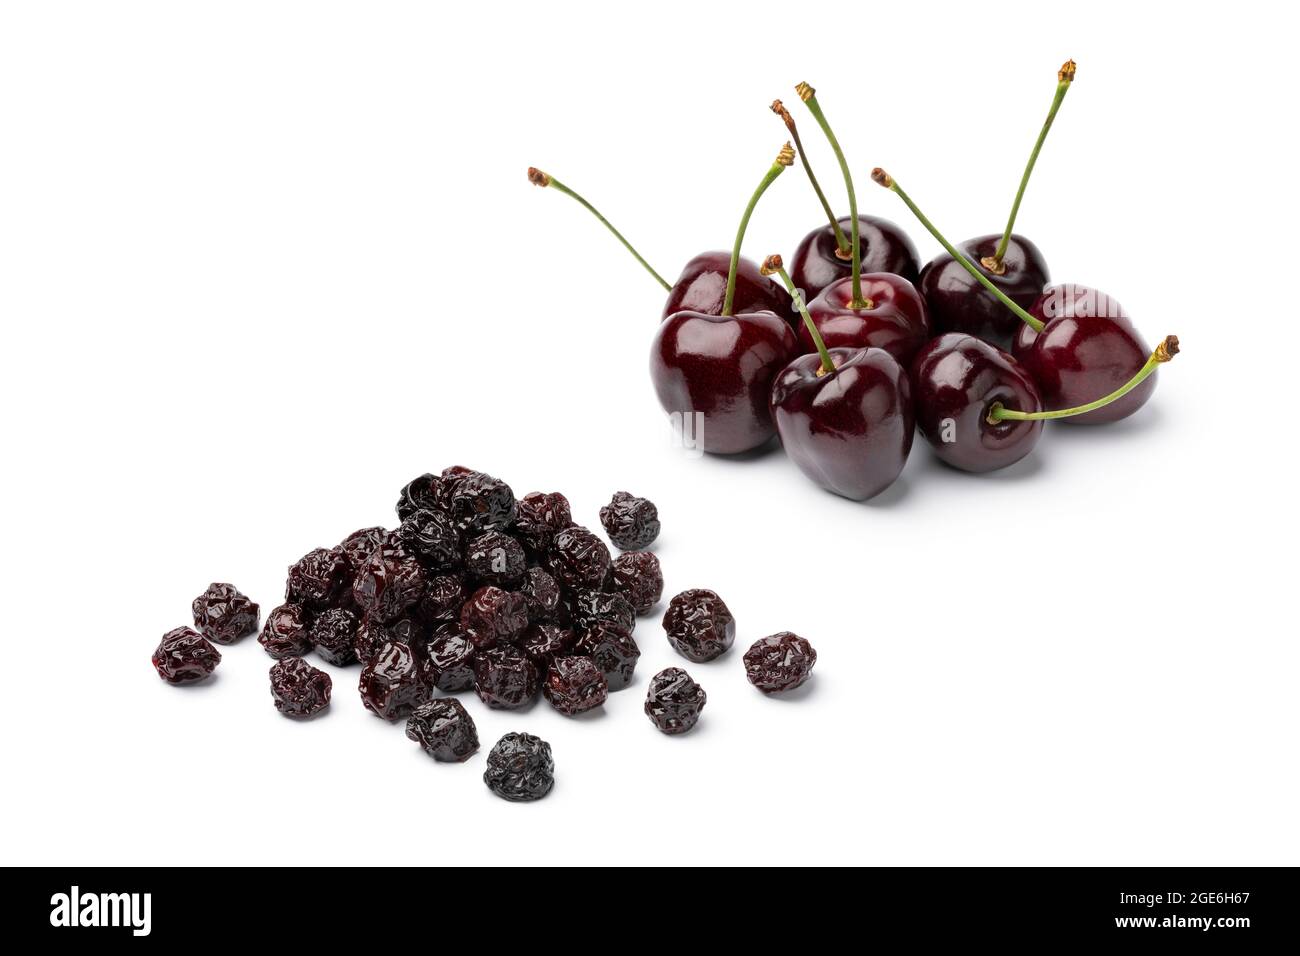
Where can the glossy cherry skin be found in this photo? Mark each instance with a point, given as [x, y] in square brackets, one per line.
[883, 245]
[723, 367]
[702, 287]
[958, 303]
[849, 431]
[956, 379]
[1088, 348]
[897, 321]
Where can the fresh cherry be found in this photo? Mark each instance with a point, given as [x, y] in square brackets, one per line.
[956, 379]
[1079, 346]
[720, 366]
[844, 415]
[1088, 347]
[893, 316]
[702, 287]
[958, 301]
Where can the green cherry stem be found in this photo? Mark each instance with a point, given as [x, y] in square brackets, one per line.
[1063, 80]
[539, 178]
[841, 243]
[809, 97]
[783, 159]
[774, 264]
[883, 178]
[1164, 352]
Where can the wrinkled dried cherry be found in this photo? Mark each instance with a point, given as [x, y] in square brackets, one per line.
[479, 503]
[285, 633]
[613, 650]
[444, 729]
[317, 578]
[420, 494]
[632, 523]
[492, 615]
[674, 701]
[539, 517]
[578, 559]
[392, 683]
[185, 656]
[432, 537]
[224, 615]
[298, 689]
[699, 625]
[541, 593]
[444, 595]
[574, 685]
[449, 659]
[387, 583]
[779, 662]
[372, 634]
[520, 768]
[504, 677]
[333, 634]
[495, 558]
[587, 608]
[637, 576]
[544, 642]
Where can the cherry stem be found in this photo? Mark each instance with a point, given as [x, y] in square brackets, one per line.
[1164, 352]
[774, 264]
[809, 97]
[539, 178]
[783, 159]
[878, 175]
[1063, 80]
[841, 243]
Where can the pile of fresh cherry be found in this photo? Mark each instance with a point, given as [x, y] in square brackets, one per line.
[976, 348]
[477, 591]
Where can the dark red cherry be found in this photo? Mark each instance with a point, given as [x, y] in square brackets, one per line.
[1088, 348]
[817, 263]
[849, 430]
[722, 366]
[895, 318]
[702, 287]
[956, 379]
[957, 301]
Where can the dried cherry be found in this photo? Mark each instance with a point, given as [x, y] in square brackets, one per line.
[504, 677]
[674, 701]
[420, 494]
[520, 768]
[333, 634]
[444, 729]
[387, 583]
[779, 662]
[496, 558]
[578, 559]
[449, 659]
[285, 633]
[317, 579]
[392, 683]
[298, 689]
[587, 608]
[185, 656]
[432, 537]
[613, 650]
[492, 615]
[699, 625]
[544, 642]
[444, 595]
[637, 576]
[539, 517]
[574, 685]
[372, 634]
[224, 615]
[632, 523]
[541, 594]
[479, 502]
[362, 543]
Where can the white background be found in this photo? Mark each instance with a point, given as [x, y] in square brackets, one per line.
[264, 262]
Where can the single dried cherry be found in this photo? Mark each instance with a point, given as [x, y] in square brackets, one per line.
[387, 583]
[637, 576]
[541, 594]
[520, 768]
[612, 649]
[674, 701]
[223, 614]
[432, 537]
[444, 595]
[444, 729]
[699, 625]
[317, 579]
[492, 615]
[632, 523]
[372, 634]
[420, 494]
[449, 659]
[779, 662]
[185, 656]
[285, 633]
[392, 683]
[504, 677]
[333, 634]
[539, 517]
[479, 503]
[544, 642]
[578, 559]
[362, 543]
[496, 558]
[574, 685]
[587, 608]
[298, 689]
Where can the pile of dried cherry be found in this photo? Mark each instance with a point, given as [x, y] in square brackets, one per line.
[475, 589]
